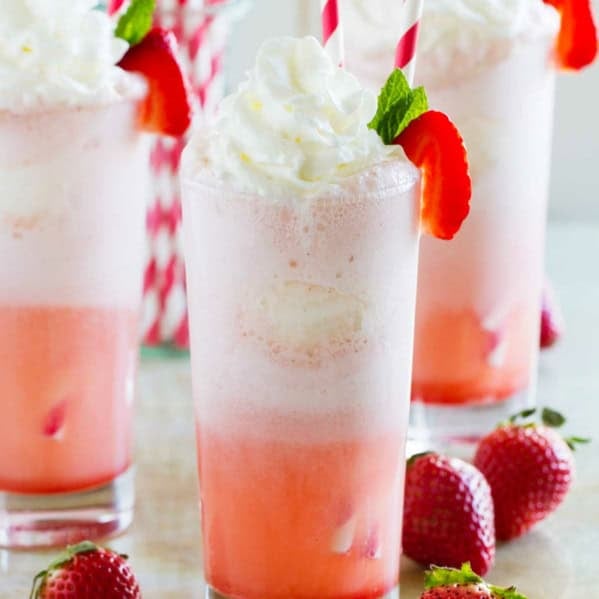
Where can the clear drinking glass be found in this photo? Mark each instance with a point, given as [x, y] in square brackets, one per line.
[302, 313]
[72, 192]
[479, 296]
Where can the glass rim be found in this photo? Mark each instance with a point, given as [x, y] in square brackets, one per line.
[334, 191]
[135, 96]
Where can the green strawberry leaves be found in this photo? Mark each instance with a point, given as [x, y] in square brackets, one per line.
[523, 415]
[135, 24]
[64, 558]
[573, 442]
[398, 106]
[442, 577]
[550, 418]
[509, 593]
[414, 458]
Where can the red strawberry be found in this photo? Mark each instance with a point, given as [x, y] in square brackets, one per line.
[167, 108]
[552, 320]
[85, 571]
[529, 468]
[433, 144]
[448, 513]
[577, 39]
[448, 583]
[115, 6]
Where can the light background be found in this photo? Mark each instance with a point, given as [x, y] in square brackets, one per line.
[575, 170]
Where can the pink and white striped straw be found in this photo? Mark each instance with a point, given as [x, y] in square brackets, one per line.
[332, 32]
[405, 56]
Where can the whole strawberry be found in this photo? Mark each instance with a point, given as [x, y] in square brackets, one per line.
[86, 571]
[449, 583]
[448, 513]
[529, 467]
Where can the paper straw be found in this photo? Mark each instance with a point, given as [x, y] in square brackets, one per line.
[332, 32]
[405, 56]
[203, 33]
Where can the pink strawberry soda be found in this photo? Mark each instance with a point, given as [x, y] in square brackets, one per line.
[479, 296]
[301, 244]
[71, 243]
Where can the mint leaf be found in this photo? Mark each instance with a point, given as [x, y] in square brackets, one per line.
[440, 577]
[135, 24]
[398, 106]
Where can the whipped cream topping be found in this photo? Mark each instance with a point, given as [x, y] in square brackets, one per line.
[59, 53]
[456, 36]
[298, 123]
[450, 19]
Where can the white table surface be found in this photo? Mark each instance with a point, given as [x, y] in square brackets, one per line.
[559, 560]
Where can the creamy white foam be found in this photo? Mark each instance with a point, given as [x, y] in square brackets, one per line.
[457, 37]
[72, 192]
[59, 53]
[297, 124]
[462, 37]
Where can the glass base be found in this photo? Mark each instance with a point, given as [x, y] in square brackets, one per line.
[28, 521]
[213, 594]
[455, 429]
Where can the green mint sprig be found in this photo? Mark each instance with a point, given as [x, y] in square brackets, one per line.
[398, 106]
[135, 24]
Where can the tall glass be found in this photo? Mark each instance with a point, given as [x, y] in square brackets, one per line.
[479, 296]
[72, 192]
[302, 313]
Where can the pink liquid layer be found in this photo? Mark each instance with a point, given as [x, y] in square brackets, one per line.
[296, 520]
[459, 360]
[66, 383]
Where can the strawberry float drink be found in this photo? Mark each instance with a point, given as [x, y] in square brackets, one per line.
[301, 233]
[73, 172]
[491, 66]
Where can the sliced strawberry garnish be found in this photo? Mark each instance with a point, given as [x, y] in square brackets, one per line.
[577, 39]
[115, 6]
[433, 144]
[167, 108]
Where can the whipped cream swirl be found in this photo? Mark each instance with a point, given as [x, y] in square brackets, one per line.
[297, 124]
[59, 53]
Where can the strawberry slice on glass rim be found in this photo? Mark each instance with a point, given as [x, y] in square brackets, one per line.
[577, 39]
[432, 143]
[152, 53]
[115, 6]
